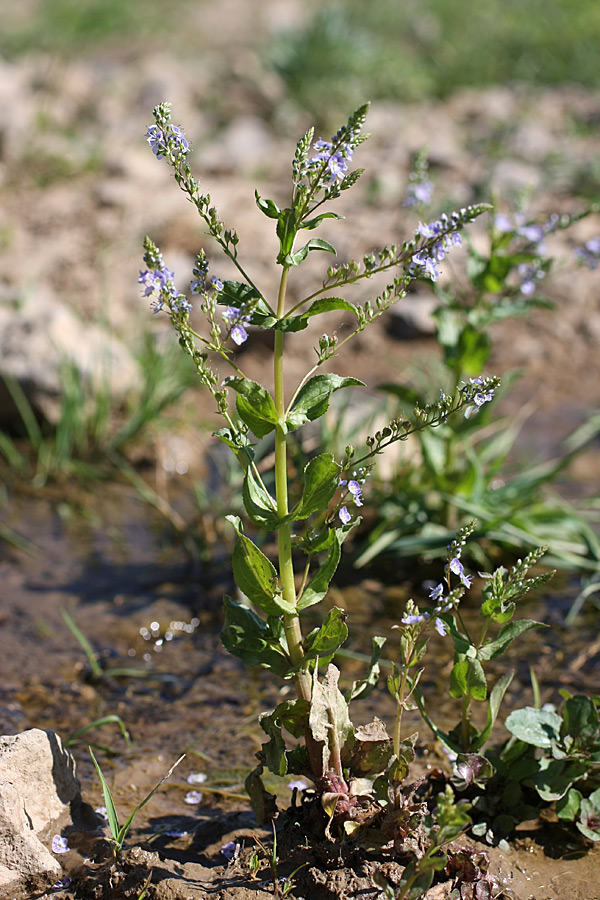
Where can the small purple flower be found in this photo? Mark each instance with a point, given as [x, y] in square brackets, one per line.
[345, 516]
[589, 254]
[529, 276]
[412, 619]
[436, 593]
[59, 844]
[193, 798]
[419, 192]
[424, 265]
[336, 161]
[298, 785]
[441, 627]
[456, 567]
[356, 491]
[238, 321]
[230, 849]
[196, 778]
[61, 884]
[217, 284]
[168, 138]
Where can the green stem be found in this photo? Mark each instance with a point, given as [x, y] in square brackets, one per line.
[291, 621]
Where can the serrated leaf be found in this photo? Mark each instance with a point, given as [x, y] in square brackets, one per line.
[313, 398]
[256, 575]
[254, 404]
[249, 637]
[259, 504]
[506, 636]
[321, 480]
[324, 641]
[238, 294]
[467, 679]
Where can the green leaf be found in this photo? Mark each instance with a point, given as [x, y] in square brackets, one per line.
[291, 715]
[263, 803]
[324, 641]
[496, 695]
[554, 778]
[300, 322]
[287, 228]
[580, 721]
[313, 398]
[568, 806]
[255, 405]
[539, 727]
[317, 587]
[506, 636]
[256, 575]
[309, 224]
[258, 503]
[467, 679]
[321, 480]
[238, 294]
[111, 812]
[268, 207]
[250, 638]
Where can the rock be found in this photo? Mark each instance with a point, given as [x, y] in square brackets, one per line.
[412, 317]
[38, 788]
[39, 336]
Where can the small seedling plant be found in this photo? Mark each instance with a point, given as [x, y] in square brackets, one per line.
[359, 773]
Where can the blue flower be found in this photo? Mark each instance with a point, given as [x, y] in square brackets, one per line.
[412, 619]
[59, 844]
[168, 138]
[441, 627]
[437, 592]
[419, 192]
[356, 491]
[344, 515]
[456, 567]
[238, 321]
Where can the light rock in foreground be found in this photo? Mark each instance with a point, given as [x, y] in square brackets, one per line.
[37, 789]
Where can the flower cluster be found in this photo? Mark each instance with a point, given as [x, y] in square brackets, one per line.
[157, 279]
[354, 488]
[589, 254]
[425, 261]
[334, 159]
[478, 391]
[529, 275]
[237, 320]
[419, 193]
[164, 138]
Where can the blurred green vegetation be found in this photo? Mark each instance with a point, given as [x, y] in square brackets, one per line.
[405, 51]
[346, 50]
[70, 26]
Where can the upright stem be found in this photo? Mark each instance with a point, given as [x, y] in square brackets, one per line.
[291, 621]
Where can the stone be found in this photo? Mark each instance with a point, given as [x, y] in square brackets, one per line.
[39, 335]
[38, 791]
[412, 317]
